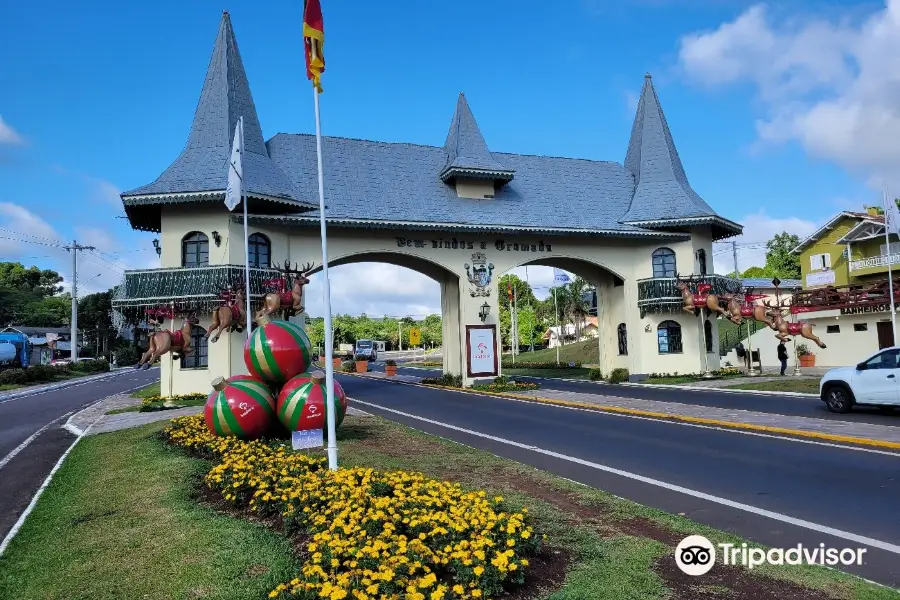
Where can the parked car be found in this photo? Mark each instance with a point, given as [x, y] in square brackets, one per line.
[873, 382]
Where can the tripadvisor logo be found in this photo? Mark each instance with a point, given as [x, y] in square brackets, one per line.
[695, 555]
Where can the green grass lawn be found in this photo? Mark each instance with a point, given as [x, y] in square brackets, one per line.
[564, 373]
[121, 521]
[146, 392]
[786, 384]
[585, 352]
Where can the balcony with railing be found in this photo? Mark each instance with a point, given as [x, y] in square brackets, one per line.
[186, 288]
[660, 294]
[872, 296]
[874, 262]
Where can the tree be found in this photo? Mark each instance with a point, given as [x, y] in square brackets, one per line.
[40, 282]
[780, 260]
[52, 311]
[757, 272]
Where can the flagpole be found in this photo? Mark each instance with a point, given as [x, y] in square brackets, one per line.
[326, 282]
[515, 339]
[558, 328]
[249, 306]
[888, 225]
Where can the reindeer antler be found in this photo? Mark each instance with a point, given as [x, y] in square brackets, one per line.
[307, 267]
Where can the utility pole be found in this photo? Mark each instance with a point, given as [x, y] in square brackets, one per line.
[737, 274]
[74, 249]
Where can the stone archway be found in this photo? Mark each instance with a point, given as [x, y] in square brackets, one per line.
[612, 307]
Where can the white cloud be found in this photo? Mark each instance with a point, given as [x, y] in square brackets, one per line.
[758, 229]
[8, 135]
[828, 84]
[104, 191]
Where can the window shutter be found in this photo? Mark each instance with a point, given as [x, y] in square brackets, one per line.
[826, 261]
[814, 262]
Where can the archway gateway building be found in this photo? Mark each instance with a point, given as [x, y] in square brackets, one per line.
[456, 212]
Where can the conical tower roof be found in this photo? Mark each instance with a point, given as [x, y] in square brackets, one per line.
[201, 168]
[467, 152]
[662, 191]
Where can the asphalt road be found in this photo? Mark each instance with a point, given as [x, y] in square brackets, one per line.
[22, 470]
[846, 489]
[797, 406]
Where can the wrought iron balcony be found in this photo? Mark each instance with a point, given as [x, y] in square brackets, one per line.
[188, 288]
[659, 294]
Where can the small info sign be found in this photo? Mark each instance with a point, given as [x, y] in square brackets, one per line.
[310, 438]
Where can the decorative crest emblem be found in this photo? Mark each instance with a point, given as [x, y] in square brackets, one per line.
[479, 274]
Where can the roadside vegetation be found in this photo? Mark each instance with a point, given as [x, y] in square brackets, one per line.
[581, 353]
[784, 384]
[11, 379]
[129, 516]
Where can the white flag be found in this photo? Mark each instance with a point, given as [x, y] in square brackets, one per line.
[891, 214]
[234, 191]
[560, 278]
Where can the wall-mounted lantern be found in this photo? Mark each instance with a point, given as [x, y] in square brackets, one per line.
[157, 247]
[485, 310]
[217, 238]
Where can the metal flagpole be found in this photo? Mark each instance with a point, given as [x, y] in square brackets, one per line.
[515, 339]
[329, 334]
[889, 214]
[246, 236]
[558, 328]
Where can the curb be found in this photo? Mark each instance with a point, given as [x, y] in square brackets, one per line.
[61, 385]
[729, 390]
[845, 439]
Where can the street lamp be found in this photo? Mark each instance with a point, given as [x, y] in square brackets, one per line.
[157, 247]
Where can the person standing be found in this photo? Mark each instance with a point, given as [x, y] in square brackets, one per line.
[782, 356]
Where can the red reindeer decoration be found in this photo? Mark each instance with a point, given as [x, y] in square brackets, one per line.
[230, 316]
[177, 342]
[785, 328]
[702, 299]
[282, 299]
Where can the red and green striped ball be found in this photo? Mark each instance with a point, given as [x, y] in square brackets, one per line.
[277, 351]
[301, 402]
[241, 406]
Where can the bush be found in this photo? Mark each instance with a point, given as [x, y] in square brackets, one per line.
[367, 532]
[447, 379]
[41, 373]
[348, 366]
[618, 375]
[390, 363]
[13, 377]
[127, 356]
[595, 375]
[361, 358]
[96, 365]
[540, 365]
[505, 384]
[155, 403]
[432, 363]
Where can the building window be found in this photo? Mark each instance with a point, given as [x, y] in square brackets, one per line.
[198, 358]
[260, 250]
[833, 329]
[701, 260]
[860, 327]
[707, 335]
[623, 339]
[819, 262]
[668, 336]
[195, 250]
[663, 262]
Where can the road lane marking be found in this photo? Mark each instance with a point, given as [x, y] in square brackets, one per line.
[30, 439]
[74, 383]
[802, 436]
[824, 529]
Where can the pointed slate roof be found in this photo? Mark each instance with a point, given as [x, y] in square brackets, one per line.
[467, 152]
[662, 192]
[200, 172]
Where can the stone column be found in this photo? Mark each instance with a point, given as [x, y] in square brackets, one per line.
[450, 325]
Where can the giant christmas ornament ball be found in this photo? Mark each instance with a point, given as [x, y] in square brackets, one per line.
[277, 351]
[241, 406]
[301, 402]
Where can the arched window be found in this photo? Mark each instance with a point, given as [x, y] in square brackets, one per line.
[663, 262]
[198, 358]
[195, 250]
[668, 336]
[623, 339]
[260, 250]
[701, 260]
[707, 334]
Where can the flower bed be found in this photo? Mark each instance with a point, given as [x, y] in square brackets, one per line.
[511, 386]
[373, 535]
[154, 403]
[540, 365]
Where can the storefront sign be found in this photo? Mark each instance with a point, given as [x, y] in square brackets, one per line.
[871, 308]
[481, 350]
[820, 278]
[457, 244]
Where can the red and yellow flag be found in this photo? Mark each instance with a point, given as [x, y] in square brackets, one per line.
[314, 39]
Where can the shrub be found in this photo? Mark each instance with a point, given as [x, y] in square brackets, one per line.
[432, 363]
[127, 356]
[390, 363]
[155, 403]
[13, 377]
[595, 375]
[369, 534]
[618, 375]
[505, 384]
[40, 373]
[348, 367]
[447, 379]
[95, 365]
[361, 357]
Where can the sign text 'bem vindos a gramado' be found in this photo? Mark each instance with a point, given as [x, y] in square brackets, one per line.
[457, 244]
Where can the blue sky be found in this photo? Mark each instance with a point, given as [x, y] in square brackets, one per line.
[98, 97]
